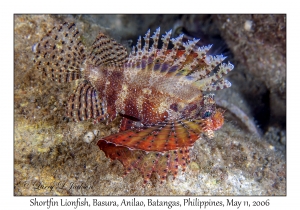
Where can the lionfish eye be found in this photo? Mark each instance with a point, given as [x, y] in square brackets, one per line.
[207, 114]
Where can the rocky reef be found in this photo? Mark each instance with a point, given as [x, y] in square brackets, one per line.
[53, 156]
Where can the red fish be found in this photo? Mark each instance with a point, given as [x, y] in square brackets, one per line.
[158, 93]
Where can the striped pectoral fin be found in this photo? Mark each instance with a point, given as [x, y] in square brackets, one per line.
[159, 137]
[60, 54]
[85, 104]
[184, 134]
[147, 162]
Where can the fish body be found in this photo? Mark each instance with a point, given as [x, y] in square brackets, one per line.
[159, 94]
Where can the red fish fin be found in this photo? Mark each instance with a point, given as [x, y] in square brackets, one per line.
[123, 154]
[170, 162]
[146, 162]
[162, 166]
[85, 104]
[183, 157]
[160, 137]
[60, 54]
[107, 51]
[147, 165]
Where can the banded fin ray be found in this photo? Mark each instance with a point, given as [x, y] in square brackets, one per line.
[187, 66]
[106, 50]
[215, 82]
[86, 104]
[60, 54]
[160, 137]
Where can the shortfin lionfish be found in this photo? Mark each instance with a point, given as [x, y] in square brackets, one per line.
[158, 94]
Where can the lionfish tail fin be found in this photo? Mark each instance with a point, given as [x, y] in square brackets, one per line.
[85, 104]
[60, 54]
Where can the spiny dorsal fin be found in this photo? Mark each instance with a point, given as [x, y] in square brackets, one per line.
[166, 39]
[196, 63]
[107, 51]
[189, 66]
[60, 54]
[188, 47]
[146, 38]
[215, 82]
[155, 38]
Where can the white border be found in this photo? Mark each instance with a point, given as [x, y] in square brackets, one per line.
[8, 201]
